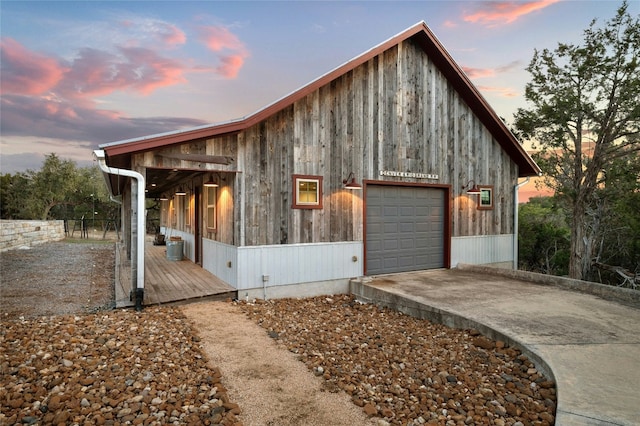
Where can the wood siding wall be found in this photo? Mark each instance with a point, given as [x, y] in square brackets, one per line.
[396, 112]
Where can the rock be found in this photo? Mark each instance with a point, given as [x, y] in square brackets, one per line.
[484, 343]
[123, 412]
[412, 369]
[54, 403]
[370, 410]
[16, 403]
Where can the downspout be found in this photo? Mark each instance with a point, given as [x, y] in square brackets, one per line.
[137, 269]
[515, 221]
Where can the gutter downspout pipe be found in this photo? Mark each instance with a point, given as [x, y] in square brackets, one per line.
[137, 227]
[515, 221]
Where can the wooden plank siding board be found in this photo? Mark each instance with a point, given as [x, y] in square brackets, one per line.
[396, 111]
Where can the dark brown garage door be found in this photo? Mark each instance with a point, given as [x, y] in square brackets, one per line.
[405, 228]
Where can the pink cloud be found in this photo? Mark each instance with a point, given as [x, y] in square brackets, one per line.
[495, 13]
[150, 71]
[151, 30]
[449, 24]
[75, 123]
[478, 72]
[27, 72]
[92, 73]
[219, 40]
[490, 72]
[230, 66]
[504, 92]
[96, 73]
[171, 35]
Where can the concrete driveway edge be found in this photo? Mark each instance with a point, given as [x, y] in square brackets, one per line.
[616, 294]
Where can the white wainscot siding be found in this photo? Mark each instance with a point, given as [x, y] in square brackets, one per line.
[247, 267]
[482, 250]
[221, 260]
[281, 265]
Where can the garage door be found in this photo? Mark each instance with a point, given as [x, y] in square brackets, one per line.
[404, 229]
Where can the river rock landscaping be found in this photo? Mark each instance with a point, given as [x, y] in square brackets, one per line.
[69, 358]
[406, 370]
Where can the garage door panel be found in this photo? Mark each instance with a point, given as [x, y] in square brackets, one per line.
[410, 221]
[409, 227]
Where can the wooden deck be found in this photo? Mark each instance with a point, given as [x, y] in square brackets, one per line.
[172, 282]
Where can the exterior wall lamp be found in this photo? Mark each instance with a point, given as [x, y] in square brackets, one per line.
[211, 183]
[350, 182]
[471, 189]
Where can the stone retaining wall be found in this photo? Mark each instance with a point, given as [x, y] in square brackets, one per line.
[16, 234]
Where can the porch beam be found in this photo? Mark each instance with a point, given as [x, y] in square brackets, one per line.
[201, 158]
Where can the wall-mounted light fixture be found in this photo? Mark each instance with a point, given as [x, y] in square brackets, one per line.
[471, 189]
[211, 183]
[350, 182]
[181, 191]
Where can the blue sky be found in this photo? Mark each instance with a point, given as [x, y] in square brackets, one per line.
[78, 74]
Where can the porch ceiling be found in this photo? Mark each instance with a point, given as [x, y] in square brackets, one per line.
[166, 181]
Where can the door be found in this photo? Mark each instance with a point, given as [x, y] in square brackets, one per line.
[405, 228]
[197, 225]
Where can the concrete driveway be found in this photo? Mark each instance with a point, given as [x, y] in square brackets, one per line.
[589, 345]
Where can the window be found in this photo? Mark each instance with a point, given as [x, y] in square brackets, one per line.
[211, 193]
[172, 213]
[164, 213]
[485, 198]
[187, 210]
[307, 192]
[179, 211]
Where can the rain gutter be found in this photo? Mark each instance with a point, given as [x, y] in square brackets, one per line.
[137, 226]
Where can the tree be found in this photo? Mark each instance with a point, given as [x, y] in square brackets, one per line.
[59, 190]
[14, 193]
[543, 237]
[53, 185]
[617, 212]
[585, 115]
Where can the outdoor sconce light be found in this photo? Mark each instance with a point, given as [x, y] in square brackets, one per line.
[350, 182]
[211, 183]
[472, 189]
[180, 191]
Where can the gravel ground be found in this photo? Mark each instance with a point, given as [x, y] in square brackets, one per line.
[64, 277]
[67, 358]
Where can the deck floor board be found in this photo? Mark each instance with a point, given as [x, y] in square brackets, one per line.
[168, 281]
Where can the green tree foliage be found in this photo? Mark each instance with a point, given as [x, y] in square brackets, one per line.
[585, 117]
[14, 195]
[543, 237]
[59, 190]
[615, 219]
[56, 184]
